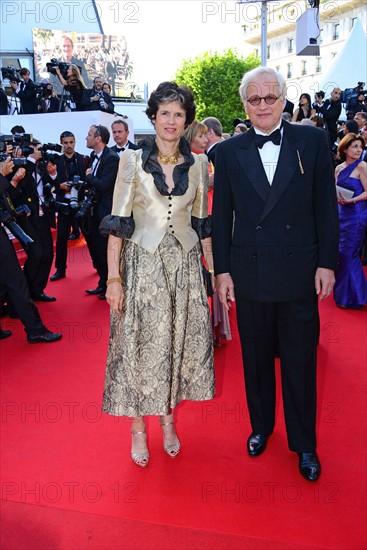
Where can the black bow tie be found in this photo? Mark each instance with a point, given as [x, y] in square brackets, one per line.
[119, 149]
[275, 137]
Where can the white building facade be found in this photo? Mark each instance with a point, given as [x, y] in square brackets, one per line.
[304, 74]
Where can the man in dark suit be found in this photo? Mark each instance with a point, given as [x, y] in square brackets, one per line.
[26, 91]
[214, 136]
[275, 243]
[29, 191]
[13, 281]
[4, 103]
[70, 164]
[330, 110]
[120, 133]
[100, 177]
[96, 99]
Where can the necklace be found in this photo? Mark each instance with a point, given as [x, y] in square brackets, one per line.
[166, 159]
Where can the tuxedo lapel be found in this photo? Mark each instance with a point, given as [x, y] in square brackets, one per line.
[288, 163]
[248, 156]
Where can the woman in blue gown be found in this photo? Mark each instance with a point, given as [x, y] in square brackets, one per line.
[350, 289]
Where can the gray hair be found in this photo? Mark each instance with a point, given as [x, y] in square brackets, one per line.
[249, 77]
[213, 123]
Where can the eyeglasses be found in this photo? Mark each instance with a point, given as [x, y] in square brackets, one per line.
[269, 99]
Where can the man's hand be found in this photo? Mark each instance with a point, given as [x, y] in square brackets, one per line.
[6, 167]
[324, 282]
[88, 171]
[225, 290]
[65, 186]
[18, 176]
[37, 155]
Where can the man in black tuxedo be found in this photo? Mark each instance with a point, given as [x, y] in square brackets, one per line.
[214, 136]
[12, 279]
[4, 103]
[120, 133]
[26, 91]
[330, 110]
[275, 243]
[100, 177]
[96, 99]
[29, 191]
[70, 164]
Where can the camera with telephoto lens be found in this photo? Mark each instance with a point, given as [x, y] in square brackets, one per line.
[85, 209]
[18, 140]
[75, 186]
[54, 64]
[17, 162]
[10, 73]
[50, 202]
[8, 215]
[44, 90]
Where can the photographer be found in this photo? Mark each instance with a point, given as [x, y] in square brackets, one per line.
[26, 91]
[100, 178]
[29, 190]
[71, 164]
[48, 102]
[4, 103]
[73, 84]
[96, 99]
[12, 280]
[330, 110]
[319, 101]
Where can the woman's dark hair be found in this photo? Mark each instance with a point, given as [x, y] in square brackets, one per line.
[347, 142]
[300, 115]
[167, 92]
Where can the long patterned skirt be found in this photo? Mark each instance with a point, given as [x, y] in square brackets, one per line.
[160, 350]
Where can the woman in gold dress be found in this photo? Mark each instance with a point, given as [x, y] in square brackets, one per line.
[160, 349]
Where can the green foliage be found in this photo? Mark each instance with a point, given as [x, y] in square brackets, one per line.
[214, 79]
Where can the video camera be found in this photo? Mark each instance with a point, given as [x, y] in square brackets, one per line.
[62, 65]
[8, 215]
[349, 97]
[10, 73]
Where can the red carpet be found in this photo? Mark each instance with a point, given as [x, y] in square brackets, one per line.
[68, 481]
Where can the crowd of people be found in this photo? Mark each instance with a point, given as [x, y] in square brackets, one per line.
[148, 212]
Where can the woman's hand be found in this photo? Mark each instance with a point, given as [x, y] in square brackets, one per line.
[343, 200]
[115, 296]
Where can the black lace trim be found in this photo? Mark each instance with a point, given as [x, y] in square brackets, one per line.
[202, 226]
[117, 226]
[180, 172]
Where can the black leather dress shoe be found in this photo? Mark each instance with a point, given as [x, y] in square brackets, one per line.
[59, 274]
[98, 290]
[42, 297]
[45, 338]
[256, 444]
[101, 296]
[5, 334]
[74, 237]
[309, 466]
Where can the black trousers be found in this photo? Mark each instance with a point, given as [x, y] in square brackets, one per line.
[295, 326]
[97, 245]
[64, 224]
[39, 254]
[13, 283]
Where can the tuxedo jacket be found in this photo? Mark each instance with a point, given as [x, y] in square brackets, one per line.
[132, 146]
[272, 238]
[104, 181]
[27, 95]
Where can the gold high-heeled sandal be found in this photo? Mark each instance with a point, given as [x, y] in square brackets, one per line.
[173, 449]
[140, 459]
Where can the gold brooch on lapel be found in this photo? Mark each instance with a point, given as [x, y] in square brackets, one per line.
[300, 163]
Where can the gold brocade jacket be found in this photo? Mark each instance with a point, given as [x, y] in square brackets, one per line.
[143, 209]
